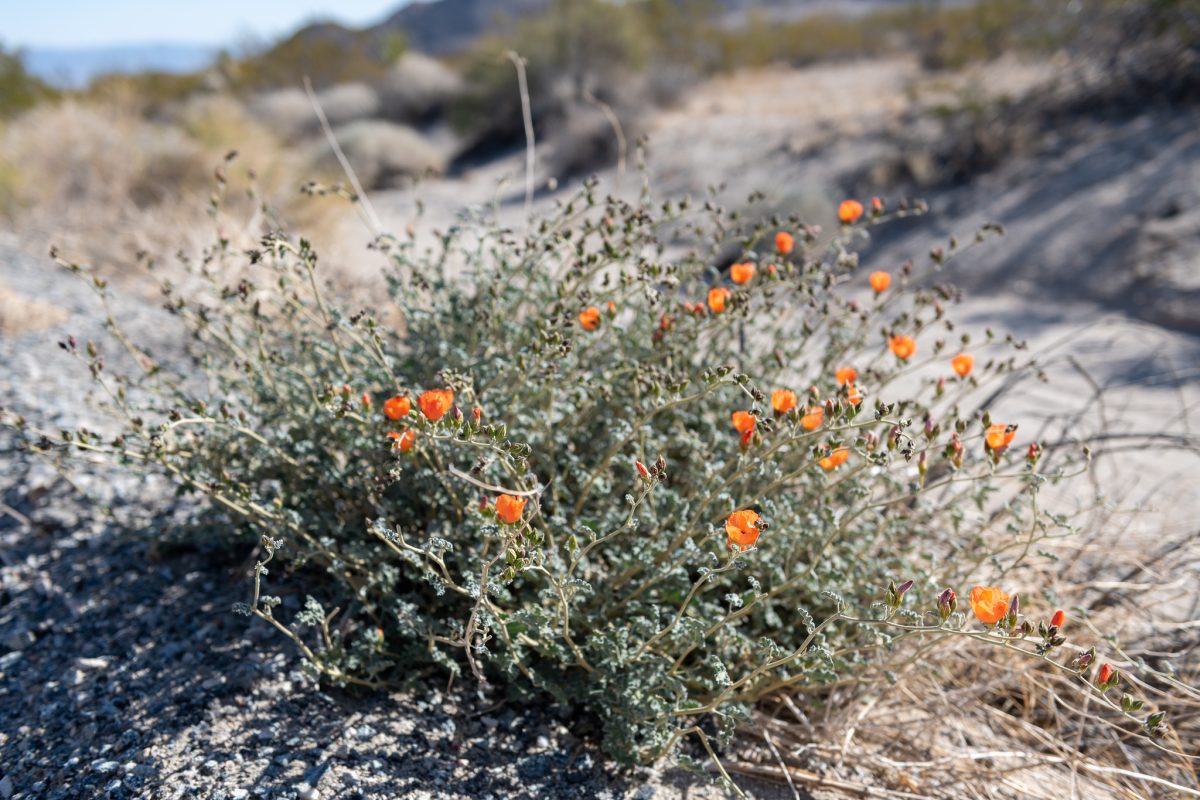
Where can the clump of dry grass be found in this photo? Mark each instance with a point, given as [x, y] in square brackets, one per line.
[104, 181]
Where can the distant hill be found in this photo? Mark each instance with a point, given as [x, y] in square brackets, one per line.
[439, 27]
[73, 67]
[442, 27]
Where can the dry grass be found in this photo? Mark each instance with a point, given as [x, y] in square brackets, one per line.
[105, 183]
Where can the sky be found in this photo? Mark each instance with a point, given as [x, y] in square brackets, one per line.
[92, 23]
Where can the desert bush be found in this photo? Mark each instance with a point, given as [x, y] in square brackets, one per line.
[288, 112]
[585, 463]
[417, 87]
[348, 102]
[575, 49]
[19, 90]
[382, 153]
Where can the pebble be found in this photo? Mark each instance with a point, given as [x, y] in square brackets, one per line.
[306, 792]
[19, 639]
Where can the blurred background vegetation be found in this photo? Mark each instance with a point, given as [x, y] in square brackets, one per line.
[429, 91]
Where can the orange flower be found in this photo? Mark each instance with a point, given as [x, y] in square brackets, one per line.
[880, 281]
[744, 422]
[783, 400]
[853, 395]
[739, 273]
[435, 403]
[509, 508]
[990, 604]
[1105, 675]
[402, 441]
[813, 419]
[903, 346]
[846, 375]
[589, 318]
[849, 211]
[963, 363]
[666, 322]
[742, 528]
[397, 407]
[784, 242]
[999, 437]
[717, 298]
[835, 459]
[1058, 619]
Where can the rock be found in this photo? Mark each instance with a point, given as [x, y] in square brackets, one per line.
[6, 787]
[19, 639]
[306, 792]
[91, 663]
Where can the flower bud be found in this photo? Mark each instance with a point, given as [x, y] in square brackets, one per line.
[1083, 659]
[456, 414]
[941, 386]
[1107, 677]
[1058, 619]
[366, 400]
[642, 471]
[1033, 454]
[947, 603]
[477, 414]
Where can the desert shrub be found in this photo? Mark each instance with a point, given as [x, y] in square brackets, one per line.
[327, 53]
[19, 90]
[348, 102]
[417, 87]
[382, 153]
[288, 112]
[585, 463]
[574, 49]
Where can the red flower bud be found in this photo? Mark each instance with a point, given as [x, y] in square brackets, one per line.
[641, 468]
[947, 602]
[1107, 677]
[1058, 619]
